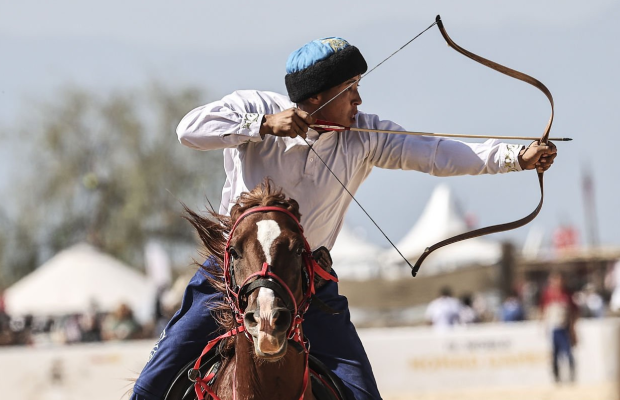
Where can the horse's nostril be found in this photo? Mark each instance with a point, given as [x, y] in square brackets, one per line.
[282, 318]
[250, 319]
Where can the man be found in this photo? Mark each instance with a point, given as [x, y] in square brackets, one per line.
[266, 134]
[511, 309]
[559, 312]
[444, 312]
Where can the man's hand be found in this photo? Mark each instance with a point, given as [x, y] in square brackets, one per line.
[292, 123]
[539, 156]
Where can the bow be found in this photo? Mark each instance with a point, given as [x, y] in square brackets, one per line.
[327, 125]
[543, 140]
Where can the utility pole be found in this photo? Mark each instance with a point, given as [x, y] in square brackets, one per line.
[589, 205]
[507, 263]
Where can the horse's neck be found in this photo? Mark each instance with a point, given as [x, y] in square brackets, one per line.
[257, 380]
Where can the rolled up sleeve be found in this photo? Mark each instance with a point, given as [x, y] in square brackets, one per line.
[225, 123]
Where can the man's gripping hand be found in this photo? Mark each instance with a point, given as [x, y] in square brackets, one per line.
[539, 156]
[292, 123]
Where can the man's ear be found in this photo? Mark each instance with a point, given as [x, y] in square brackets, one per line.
[315, 100]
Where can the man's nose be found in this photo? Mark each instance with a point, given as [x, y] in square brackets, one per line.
[357, 99]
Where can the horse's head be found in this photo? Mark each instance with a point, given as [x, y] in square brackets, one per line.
[268, 267]
[266, 256]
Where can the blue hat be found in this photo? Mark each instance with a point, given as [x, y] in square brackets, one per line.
[320, 65]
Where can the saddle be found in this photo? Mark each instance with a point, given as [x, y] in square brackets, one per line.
[325, 385]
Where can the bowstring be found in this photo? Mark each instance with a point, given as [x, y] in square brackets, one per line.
[333, 173]
[372, 69]
[358, 203]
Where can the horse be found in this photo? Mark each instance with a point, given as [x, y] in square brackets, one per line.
[267, 273]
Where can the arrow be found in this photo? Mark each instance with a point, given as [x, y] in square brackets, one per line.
[453, 135]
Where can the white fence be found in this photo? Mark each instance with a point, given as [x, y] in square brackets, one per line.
[489, 356]
[406, 361]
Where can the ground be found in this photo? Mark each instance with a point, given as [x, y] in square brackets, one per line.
[560, 392]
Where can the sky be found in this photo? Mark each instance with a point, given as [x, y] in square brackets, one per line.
[220, 47]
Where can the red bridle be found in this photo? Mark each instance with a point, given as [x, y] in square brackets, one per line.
[233, 295]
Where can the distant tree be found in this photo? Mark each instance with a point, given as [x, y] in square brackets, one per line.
[18, 255]
[110, 171]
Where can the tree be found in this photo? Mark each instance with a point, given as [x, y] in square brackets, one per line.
[109, 170]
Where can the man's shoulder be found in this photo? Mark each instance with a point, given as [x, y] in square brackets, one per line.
[264, 96]
[435, 303]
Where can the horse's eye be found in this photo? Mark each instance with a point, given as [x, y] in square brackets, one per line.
[233, 253]
[300, 250]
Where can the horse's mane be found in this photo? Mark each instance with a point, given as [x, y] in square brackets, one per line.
[214, 232]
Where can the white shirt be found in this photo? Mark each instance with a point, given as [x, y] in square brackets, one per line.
[233, 124]
[443, 312]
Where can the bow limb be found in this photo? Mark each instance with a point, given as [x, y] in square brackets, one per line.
[543, 139]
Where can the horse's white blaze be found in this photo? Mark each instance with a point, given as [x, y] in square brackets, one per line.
[266, 302]
[268, 231]
[266, 342]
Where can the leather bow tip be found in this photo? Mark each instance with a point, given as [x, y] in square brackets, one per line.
[420, 260]
[416, 267]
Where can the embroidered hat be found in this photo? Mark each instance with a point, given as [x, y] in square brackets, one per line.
[320, 65]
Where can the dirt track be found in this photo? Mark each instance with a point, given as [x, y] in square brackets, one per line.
[562, 392]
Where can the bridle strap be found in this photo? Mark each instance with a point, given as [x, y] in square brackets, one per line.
[264, 276]
[262, 209]
[201, 385]
[311, 265]
[543, 140]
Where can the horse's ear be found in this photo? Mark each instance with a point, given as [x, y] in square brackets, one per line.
[324, 260]
[237, 210]
[293, 207]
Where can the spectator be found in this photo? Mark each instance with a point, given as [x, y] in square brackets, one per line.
[121, 325]
[612, 283]
[467, 314]
[483, 309]
[6, 338]
[21, 330]
[511, 309]
[443, 312]
[559, 313]
[530, 296]
[161, 316]
[72, 329]
[590, 302]
[90, 325]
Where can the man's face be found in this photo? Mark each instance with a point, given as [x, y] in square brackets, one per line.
[342, 109]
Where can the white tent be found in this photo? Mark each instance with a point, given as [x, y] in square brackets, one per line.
[76, 278]
[440, 220]
[354, 258]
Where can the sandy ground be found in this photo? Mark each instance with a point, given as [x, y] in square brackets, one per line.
[107, 367]
[560, 392]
